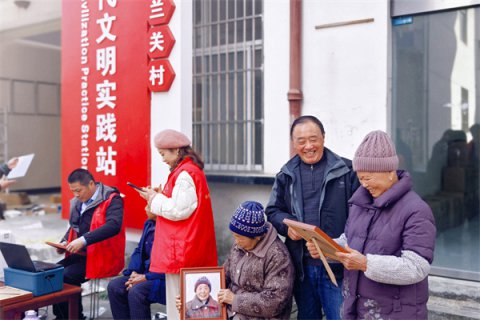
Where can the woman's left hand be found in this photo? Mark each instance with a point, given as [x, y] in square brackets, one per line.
[353, 260]
[178, 303]
[225, 296]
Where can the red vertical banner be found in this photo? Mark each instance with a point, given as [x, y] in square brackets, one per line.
[105, 98]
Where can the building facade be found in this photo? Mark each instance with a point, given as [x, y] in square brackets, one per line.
[411, 69]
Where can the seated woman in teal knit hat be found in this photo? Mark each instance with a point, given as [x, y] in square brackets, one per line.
[258, 271]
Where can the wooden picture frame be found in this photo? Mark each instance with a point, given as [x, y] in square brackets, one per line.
[325, 245]
[188, 278]
[309, 232]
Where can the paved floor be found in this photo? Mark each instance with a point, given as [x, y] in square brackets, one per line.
[102, 312]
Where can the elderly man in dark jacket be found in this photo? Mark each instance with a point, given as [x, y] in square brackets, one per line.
[313, 187]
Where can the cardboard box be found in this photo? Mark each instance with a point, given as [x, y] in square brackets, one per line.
[39, 283]
[52, 208]
[15, 198]
[56, 198]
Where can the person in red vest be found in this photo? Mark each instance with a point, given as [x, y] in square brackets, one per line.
[95, 240]
[185, 232]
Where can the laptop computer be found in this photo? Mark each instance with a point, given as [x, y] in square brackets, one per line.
[17, 257]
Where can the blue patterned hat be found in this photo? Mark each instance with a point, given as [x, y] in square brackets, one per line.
[248, 220]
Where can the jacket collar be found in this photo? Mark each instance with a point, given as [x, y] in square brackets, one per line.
[265, 243]
[103, 194]
[363, 198]
[336, 167]
[182, 163]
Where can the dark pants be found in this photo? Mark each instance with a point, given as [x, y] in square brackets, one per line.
[74, 273]
[131, 304]
[317, 292]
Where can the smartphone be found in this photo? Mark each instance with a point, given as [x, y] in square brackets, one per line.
[135, 187]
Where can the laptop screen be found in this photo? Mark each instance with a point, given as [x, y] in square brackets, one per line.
[17, 257]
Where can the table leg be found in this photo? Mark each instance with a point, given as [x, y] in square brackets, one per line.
[73, 306]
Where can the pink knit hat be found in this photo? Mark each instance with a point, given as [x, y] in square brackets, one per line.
[376, 153]
[171, 139]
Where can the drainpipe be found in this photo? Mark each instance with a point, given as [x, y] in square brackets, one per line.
[295, 95]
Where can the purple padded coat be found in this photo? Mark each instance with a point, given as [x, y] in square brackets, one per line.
[397, 220]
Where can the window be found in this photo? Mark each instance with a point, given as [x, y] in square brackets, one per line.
[436, 121]
[228, 84]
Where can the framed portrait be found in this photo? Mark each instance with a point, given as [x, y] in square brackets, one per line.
[308, 231]
[198, 292]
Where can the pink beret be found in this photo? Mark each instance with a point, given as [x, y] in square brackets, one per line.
[171, 139]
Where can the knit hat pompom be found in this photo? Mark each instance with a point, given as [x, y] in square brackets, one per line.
[376, 153]
[249, 220]
[203, 280]
[171, 139]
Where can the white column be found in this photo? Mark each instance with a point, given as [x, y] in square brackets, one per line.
[173, 109]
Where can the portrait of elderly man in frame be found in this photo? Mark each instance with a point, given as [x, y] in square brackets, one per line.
[199, 289]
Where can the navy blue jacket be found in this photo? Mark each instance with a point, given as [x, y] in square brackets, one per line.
[140, 263]
[286, 201]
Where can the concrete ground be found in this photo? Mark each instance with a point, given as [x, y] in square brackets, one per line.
[32, 225]
[103, 311]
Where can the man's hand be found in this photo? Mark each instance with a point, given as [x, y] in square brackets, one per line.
[225, 296]
[75, 246]
[353, 260]
[312, 249]
[12, 163]
[60, 250]
[292, 234]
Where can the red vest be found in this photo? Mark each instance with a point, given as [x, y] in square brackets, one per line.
[105, 258]
[186, 243]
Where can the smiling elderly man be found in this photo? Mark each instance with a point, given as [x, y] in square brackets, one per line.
[312, 187]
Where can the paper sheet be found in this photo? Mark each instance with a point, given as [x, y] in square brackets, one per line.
[22, 166]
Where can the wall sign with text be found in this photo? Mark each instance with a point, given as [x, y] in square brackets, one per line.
[105, 99]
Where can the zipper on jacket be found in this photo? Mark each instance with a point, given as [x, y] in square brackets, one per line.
[313, 177]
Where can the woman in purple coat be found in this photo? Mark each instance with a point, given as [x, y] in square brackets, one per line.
[389, 236]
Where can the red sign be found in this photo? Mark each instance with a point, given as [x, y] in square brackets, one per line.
[105, 100]
[161, 12]
[161, 75]
[161, 42]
